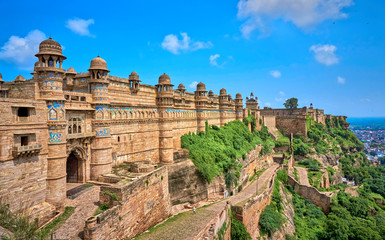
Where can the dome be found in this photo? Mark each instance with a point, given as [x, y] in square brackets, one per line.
[50, 47]
[19, 79]
[229, 96]
[133, 76]
[238, 96]
[252, 95]
[222, 92]
[201, 87]
[98, 63]
[164, 79]
[181, 86]
[71, 70]
[211, 93]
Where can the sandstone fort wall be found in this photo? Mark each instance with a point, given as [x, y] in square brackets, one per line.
[312, 194]
[140, 204]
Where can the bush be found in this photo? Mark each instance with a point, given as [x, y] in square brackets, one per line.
[270, 220]
[216, 151]
[311, 164]
[239, 231]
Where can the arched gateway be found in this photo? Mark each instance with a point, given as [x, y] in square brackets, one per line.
[75, 166]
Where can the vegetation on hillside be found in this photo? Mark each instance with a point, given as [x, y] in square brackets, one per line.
[272, 216]
[215, 152]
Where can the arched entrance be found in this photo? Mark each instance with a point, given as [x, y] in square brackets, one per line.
[74, 166]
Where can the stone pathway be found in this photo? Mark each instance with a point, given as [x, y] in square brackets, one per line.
[302, 174]
[85, 204]
[187, 225]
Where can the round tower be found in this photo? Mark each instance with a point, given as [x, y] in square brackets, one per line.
[49, 74]
[69, 77]
[165, 104]
[223, 102]
[239, 106]
[201, 100]
[101, 149]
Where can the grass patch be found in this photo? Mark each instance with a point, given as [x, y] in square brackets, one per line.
[296, 175]
[100, 209]
[56, 223]
[257, 174]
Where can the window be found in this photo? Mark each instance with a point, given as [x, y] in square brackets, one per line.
[24, 140]
[118, 139]
[22, 112]
[75, 125]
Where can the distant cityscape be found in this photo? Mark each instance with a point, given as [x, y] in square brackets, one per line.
[372, 134]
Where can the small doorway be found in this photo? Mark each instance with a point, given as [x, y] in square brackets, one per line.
[72, 168]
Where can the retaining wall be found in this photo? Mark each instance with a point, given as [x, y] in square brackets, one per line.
[140, 204]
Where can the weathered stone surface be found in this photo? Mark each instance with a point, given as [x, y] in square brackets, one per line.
[139, 205]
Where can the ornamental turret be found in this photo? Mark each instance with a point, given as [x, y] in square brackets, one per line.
[164, 91]
[134, 82]
[252, 103]
[201, 100]
[98, 80]
[48, 70]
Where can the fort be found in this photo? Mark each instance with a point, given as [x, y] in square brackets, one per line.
[63, 127]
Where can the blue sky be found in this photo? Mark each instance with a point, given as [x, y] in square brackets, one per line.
[327, 52]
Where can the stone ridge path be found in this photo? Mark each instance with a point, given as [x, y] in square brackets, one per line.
[187, 225]
[85, 204]
[302, 174]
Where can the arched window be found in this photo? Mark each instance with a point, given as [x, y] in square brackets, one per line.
[50, 62]
[69, 129]
[75, 125]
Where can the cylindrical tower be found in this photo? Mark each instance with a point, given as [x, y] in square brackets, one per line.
[165, 104]
[101, 148]
[49, 74]
[252, 103]
[134, 82]
[201, 105]
[239, 106]
[223, 102]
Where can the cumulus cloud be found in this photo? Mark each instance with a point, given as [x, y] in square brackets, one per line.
[341, 80]
[173, 44]
[213, 59]
[21, 50]
[325, 54]
[80, 26]
[275, 73]
[303, 13]
[193, 85]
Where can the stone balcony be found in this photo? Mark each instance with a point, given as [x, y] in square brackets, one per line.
[80, 135]
[25, 151]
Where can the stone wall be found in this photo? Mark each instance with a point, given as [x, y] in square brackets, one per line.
[249, 211]
[222, 219]
[292, 125]
[312, 194]
[140, 204]
[253, 163]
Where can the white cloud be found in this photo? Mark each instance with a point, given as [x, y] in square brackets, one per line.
[174, 45]
[80, 26]
[275, 73]
[282, 93]
[303, 13]
[213, 59]
[281, 98]
[341, 80]
[21, 50]
[193, 85]
[325, 54]
[267, 104]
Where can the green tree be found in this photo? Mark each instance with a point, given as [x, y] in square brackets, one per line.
[291, 103]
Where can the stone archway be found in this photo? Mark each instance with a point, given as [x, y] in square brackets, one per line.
[75, 166]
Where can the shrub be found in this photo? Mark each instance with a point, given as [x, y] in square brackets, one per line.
[270, 220]
[239, 231]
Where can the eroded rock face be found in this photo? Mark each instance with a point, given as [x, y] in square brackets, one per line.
[186, 184]
[327, 159]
